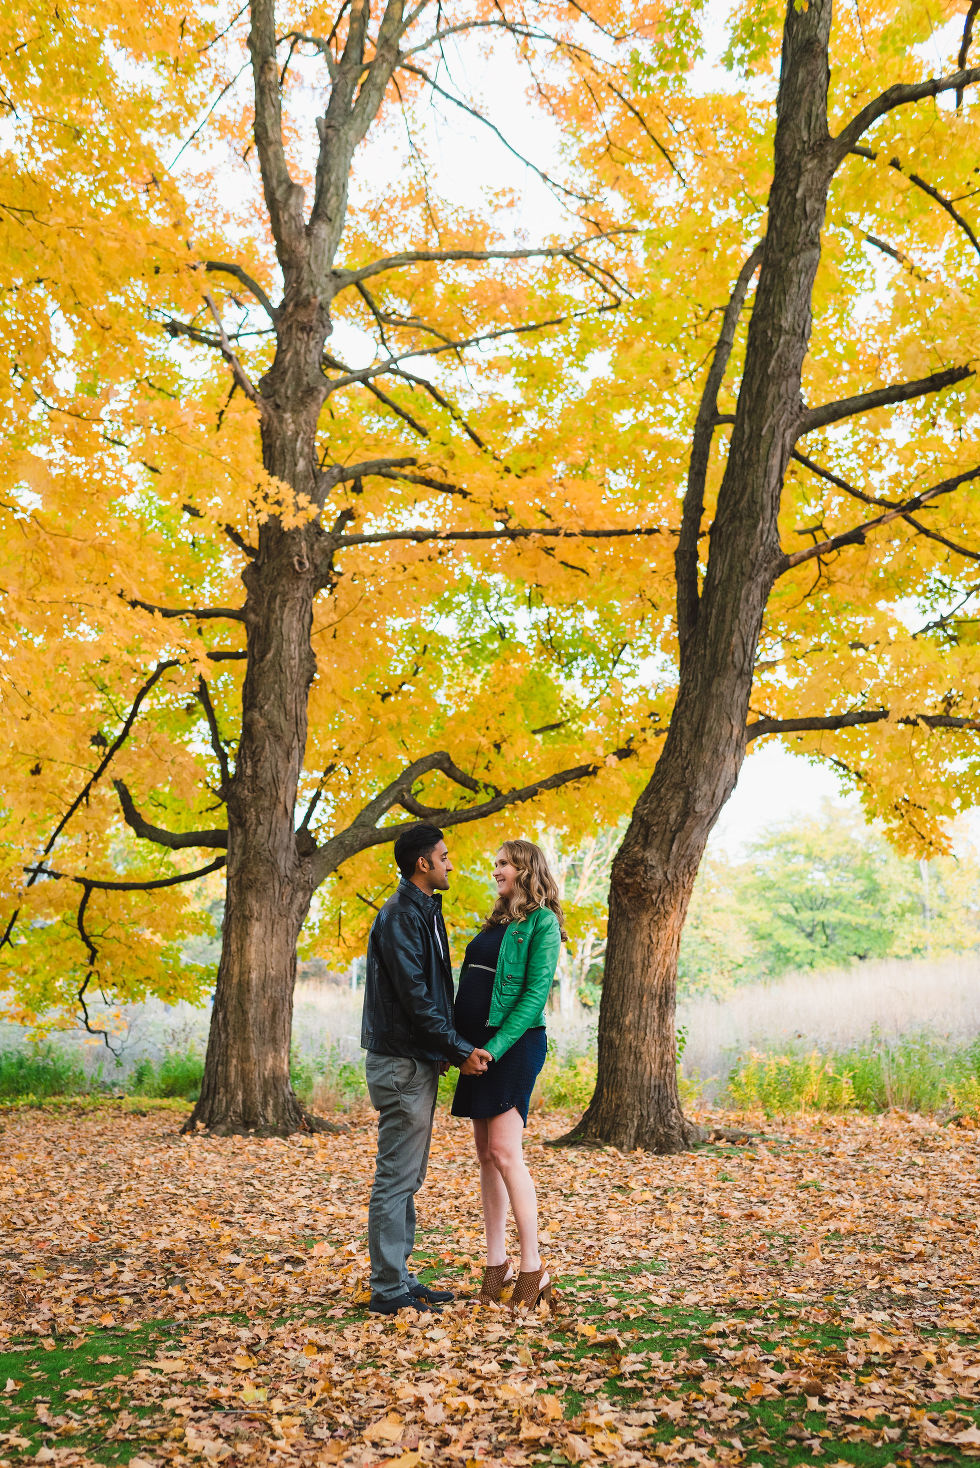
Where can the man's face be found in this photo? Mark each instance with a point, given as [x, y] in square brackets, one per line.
[437, 867]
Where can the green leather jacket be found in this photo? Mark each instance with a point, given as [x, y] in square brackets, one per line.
[525, 970]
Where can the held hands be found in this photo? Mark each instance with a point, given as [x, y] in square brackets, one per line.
[475, 1063]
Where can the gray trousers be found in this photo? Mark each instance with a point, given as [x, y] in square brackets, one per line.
[403, 1092]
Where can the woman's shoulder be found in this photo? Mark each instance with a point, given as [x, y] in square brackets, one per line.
[542, 918]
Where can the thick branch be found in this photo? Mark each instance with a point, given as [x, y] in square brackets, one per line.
[971, 15]
[364, 831]
[686, 555]
[217, 744]
[870, 499]
[175, 841]
[283, 197]
[881, 397]
[898, 96]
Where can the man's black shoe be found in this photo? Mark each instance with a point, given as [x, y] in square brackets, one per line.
[430, 1296]
[400, 1302]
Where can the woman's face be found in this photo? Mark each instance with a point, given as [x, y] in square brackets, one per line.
[505, 875]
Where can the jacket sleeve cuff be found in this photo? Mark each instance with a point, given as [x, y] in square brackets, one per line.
[494, 1049]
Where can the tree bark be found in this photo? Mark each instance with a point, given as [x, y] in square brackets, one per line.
[270, 881]
[636, 1102]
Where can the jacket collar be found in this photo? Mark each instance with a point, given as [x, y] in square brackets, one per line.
[429, 905]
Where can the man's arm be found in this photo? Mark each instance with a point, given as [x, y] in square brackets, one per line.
[401, 951]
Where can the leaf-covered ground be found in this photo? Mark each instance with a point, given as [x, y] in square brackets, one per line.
[174, 1300]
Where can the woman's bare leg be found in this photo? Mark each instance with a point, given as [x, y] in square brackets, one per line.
[494, 1196]
[505, 1149]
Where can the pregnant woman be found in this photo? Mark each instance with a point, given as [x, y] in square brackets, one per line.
[507, 973]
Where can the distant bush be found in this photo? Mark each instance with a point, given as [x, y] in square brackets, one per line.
[42, 1071]
[913, 1072]
[178, 1074]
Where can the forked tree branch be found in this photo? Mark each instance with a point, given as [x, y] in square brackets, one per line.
[686, 555]
[173, 840]
[857, 535]
[225, 267]
[883, 504]
[364, 832]
[897, 96]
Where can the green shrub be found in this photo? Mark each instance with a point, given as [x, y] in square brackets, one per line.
[566, 1083]
[41, 1071]
[914, 1073]
[179, 1073]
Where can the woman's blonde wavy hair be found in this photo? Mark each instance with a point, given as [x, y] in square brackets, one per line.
[535, 887]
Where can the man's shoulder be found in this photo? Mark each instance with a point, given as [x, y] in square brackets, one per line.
[399, 904]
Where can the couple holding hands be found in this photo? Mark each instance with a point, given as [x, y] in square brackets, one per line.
[413, 1030]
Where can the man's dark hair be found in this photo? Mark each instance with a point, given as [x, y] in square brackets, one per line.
[417, 841]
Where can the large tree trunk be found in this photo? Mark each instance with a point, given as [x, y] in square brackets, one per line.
[636, 1102]
[269, 880]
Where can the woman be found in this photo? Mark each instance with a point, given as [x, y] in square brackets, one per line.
[507, 973]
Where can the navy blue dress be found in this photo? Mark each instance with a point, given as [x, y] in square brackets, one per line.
[508, 1081]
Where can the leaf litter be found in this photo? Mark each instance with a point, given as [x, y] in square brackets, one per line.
[189, 1300]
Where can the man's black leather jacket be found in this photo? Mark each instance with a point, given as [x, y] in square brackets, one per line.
[408, 991]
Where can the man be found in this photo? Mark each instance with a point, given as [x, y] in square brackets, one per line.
[410, 1038]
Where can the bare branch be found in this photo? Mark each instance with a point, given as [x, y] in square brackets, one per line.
[416, 257]
[241, 376]
[686, 555]
[175, 841]
[217, 744]
[364, 832]
[382, 468]
[853, 720]
[99, 771]
[546, 178]
[881, 397]
[857, 535]
[899, 95]
[638, 117]
[515, 532]
[861, 152]
[247, 281]
[458, 346]
[150, 885]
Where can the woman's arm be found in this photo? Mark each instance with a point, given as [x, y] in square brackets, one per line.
[542, 961]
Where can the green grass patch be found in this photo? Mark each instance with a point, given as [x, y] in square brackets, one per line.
[913, 1072]
[49, 1378]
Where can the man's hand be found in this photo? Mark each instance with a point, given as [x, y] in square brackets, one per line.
[475, 1063]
